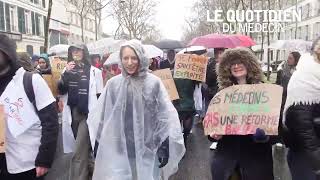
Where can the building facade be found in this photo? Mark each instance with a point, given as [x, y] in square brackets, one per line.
[307, 29]
[24, 21]
[65, 24]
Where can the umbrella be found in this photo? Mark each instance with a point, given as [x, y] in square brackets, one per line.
[152, 51]
[105, 45]
[60, 50]
[245, 41]
[192, 49]
[292, 45]
[216, 41]
[169, 44]
[114, 58]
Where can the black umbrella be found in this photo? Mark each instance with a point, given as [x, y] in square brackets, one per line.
[169, 44]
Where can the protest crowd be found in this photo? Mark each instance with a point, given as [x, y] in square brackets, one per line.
[131, 119]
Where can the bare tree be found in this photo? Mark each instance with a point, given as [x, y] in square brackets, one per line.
[99, 5]
[46, 31]
[134, 18]
[83, 8]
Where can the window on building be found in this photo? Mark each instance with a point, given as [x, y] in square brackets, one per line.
[2, 21]
[30, 50]
[41, 25]
[36, 1]
[37, 24]
[42, 49]
[306, 35]
[299, 33]
[316, 30]
[21, 21]
[12, 14]
[308, 11]
[44, 24]
[8, 27]
[44, 3]
[27, 18]
[33, 22]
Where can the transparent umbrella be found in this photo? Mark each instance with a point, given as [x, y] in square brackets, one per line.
[292, 45]
[60, 50]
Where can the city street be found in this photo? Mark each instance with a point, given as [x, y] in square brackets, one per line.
[194, 166]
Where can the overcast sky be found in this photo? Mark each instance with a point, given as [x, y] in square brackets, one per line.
[170, 18]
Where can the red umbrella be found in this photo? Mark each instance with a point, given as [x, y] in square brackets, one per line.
[216, 41]
[246, 41]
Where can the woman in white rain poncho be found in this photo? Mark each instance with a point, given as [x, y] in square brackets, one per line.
[136, 124]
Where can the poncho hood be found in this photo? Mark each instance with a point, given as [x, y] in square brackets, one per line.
[140, 52]
[86, 55]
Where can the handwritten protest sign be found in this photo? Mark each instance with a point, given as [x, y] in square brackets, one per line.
[57, 65]
[2, 129]
[51, 83]
[241, 109]
[190, 66]
[167, 80]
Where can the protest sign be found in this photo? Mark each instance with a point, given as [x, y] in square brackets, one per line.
[166, 77]
[2, 129]
[57, 65]
[190, 66]
[51, 83]
[241, 109]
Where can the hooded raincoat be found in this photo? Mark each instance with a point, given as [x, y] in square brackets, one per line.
[133, 118]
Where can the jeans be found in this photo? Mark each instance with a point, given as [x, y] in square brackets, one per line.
[299, 166]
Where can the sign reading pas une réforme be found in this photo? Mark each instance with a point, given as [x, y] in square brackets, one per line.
[241, 109]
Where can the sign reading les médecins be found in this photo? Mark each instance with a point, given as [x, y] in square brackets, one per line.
[241, 109]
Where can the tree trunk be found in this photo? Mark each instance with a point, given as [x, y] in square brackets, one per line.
[46, 32]
[268, 51]
[262, 38]
[295, 34]
[82, 28]
[95, 21]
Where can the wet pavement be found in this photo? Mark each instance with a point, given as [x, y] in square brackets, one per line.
[196, 163]
[194, 166]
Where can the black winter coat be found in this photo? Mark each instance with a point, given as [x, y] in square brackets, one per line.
[303, 122]
[253, 159]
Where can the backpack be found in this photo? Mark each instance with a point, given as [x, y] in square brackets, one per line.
[28, 88]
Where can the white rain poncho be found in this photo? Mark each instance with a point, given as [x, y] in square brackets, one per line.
[133, 117]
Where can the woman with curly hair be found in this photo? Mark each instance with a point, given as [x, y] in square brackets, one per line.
[245, 157]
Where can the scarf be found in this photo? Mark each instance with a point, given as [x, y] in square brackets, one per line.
[304, 85]
[78, 93]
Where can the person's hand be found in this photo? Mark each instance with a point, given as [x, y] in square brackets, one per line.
[41, 171]
[260, 136]
[70, 65]
[216, 137]
[163, 162]
[60, 105]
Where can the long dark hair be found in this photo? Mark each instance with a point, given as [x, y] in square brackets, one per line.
[296, 56]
